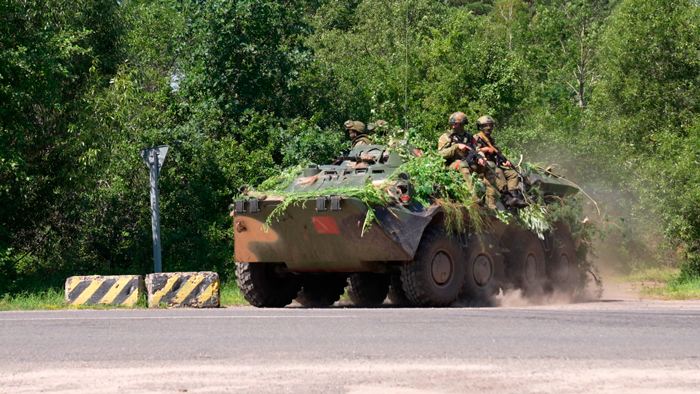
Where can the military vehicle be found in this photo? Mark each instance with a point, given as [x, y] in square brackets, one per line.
[314, 249]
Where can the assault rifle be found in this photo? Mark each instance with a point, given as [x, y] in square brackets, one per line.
[499, 155]
[486, 163]
[473, 154]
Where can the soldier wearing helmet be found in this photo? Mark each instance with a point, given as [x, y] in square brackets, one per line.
[356, 130]
[380, 127]
[456, 146]
[506, 177]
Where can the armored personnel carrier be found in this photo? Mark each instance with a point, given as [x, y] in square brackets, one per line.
[320, 236]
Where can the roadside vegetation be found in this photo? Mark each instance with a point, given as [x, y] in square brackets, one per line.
[604, 91]
[661, 283]
[54, 298]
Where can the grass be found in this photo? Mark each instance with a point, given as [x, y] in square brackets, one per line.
[54, 299]
[41, 300]
[663, 283]
[657, 275]
[230, 295]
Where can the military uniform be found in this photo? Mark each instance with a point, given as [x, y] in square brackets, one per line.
[455, 158]
[464, 161]
[506, 178]
[356, 129]
[360, 140]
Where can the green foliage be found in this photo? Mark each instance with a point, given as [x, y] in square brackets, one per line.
[230, 294]
[533, 217]
[604, 90]
[52, 298]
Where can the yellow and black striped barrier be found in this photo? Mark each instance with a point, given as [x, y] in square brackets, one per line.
[183, 289]
[111, 290]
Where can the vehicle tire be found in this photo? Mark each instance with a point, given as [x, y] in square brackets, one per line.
[527, 260]
[368, 288]
[264, 286]
[436, 274]
[563, 269]
[321, 290]
[483, 270]
[397, 295]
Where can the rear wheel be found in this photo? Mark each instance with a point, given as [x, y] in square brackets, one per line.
[528, 261]
[436, 274]
[321, 290]
[367, 288]
[267, 285]
[484, 270]
[563, 268]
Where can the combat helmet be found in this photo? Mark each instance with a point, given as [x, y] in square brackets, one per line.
[354, 125]
[484, 120]
[458, 117]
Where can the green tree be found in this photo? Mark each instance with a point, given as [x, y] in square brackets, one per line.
[648, 96]
[49, 53]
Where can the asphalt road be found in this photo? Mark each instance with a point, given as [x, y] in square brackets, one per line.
[614, 346]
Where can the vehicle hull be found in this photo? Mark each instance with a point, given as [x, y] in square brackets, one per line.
[307, 240]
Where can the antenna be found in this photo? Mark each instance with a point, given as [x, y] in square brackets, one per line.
[405, 92]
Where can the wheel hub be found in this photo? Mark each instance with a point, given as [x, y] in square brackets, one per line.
[441, 268]
[482, 270]
[531, 269]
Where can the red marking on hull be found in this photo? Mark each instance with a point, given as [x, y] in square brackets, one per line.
[325, 225]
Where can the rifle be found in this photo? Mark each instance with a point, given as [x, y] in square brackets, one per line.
[486, 163]
[499, 155]
[473, 154]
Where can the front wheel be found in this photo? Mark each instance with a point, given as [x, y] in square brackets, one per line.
[267, 285]
[435, 276]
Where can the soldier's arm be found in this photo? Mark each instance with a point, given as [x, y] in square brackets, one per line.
[446, 148]
[478, 144]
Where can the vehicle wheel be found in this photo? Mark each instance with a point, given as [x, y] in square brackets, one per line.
[527, 260]
[563, 268]
[397, 295]
[321, 290]
[265, 285]
[484, 270]
[367, 288]
[436, 274]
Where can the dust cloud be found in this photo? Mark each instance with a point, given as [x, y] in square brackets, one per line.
[516, 298]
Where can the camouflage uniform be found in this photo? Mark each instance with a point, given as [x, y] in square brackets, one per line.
[462, 160]
[356, 129]
[506, 179]
[455, 158]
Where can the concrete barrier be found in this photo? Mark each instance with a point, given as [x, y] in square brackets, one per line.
[110, 290]
[183, 289]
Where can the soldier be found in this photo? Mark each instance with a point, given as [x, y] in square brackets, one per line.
[506, 176]
[456, 146]
[381, 127]
[356, 130]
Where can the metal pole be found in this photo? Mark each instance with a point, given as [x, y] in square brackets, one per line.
[154, 158]
[155, 212]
